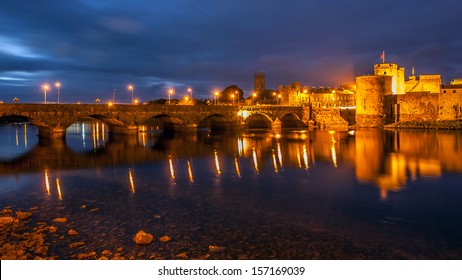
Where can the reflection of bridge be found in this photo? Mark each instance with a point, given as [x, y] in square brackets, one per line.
[53, 119]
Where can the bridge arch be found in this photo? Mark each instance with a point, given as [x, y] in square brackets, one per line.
[258, 121]
[291, 121]
[214, 122]
[163, 122]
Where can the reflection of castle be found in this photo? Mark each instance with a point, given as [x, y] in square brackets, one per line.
[386, 97]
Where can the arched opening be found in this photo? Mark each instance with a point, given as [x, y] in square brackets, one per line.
[258, 122]
[214, 122]
[88, 134]
[162, 123]
[18, 136]
[291, 122]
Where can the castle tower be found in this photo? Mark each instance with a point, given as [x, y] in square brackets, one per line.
[259, 82]
[370, 95]
[396, 72]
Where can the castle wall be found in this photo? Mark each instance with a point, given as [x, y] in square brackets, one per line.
[450, 103]
[418, 106]
[370, 92]
[424, 83]
[329, 118]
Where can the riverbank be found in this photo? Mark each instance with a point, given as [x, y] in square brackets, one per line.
[438, 125]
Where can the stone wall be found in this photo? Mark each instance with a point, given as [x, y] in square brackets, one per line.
[329, 118]
[418, 106]
[450, 104]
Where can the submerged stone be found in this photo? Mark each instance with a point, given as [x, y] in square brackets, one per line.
[143, 238]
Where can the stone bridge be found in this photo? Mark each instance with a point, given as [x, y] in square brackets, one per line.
[53, 119]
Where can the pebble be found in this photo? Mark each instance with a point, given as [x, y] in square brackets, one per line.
[165, 238]
[60, 220]
[72, 232]
[183, 255]
[106, 252]
[77, 244]
[52, 229]
[143, 238]
[23, 215]
[6, 220]
[216, 249]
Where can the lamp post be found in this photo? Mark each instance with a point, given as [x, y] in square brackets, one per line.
[254, 95]
[113, 96]
[58, 86]
[131, 88]
[232, 96]
[170, 92]
[45, 87]
[279, 96]
[190, 93]
[216, 97]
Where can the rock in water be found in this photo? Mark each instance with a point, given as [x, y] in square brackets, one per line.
[60, 220]
[76, 244]
[72, 232]
[216, 249]
[165, 238]
[23, 215]
[143, 238]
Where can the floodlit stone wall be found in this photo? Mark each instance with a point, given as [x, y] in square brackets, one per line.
[370, 93]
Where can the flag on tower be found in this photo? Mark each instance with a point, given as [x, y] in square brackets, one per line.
[382, 56]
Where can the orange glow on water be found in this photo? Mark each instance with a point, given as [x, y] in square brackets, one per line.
[131, 180]
[299, 159]
[58, 187]
[255, 160]
[190, 173]
[217, 162]
[47, 182]
[305, 157]
[236, 165]
[279, 155]
[275, 162]
[172, 171]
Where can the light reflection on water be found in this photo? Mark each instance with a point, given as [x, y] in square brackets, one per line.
[370, 186]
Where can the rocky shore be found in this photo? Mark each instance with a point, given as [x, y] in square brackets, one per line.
[438, 125]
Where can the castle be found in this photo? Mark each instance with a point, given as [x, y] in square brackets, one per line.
[386, 97]
[382, 98]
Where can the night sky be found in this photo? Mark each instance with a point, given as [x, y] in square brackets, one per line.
[93, 47]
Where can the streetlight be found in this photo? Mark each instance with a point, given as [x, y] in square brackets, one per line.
[190, 92]
[232, 96]
[113, 96]
[170, 92]
[216, 97]
[279, 96]
[45, 87]
[254, 95]
[237, 95]
[58, 85]
[186, 100]
[131, 88]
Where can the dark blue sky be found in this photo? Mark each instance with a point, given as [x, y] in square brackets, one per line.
[93, 47]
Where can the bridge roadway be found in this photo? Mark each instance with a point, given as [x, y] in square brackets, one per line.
[53, 119]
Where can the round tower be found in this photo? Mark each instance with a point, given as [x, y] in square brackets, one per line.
[396, 72]
[370, 92]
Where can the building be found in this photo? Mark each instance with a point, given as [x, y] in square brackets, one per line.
[386, 97]
[259, 85]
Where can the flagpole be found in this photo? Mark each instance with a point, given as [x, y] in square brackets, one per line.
[383, 56]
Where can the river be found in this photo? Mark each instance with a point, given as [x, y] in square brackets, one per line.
[364, 194]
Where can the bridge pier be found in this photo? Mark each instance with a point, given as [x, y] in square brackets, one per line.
[52, 133]
[123, 130]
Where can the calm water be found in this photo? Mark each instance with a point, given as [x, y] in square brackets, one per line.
[332, 195]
